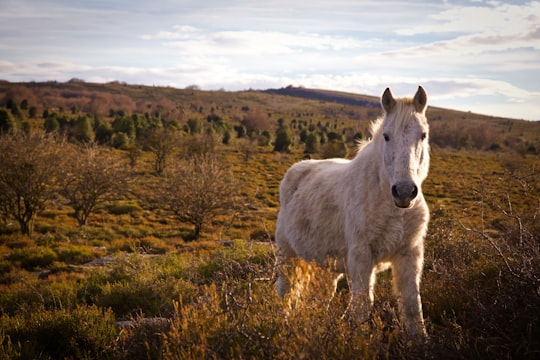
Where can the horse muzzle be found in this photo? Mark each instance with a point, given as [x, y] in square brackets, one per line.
[404, 193]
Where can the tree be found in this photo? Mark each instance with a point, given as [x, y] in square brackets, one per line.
[283, 139]
[162, 143]
[30, 165]
[313, 140]
[8, 123]
[51, 123]
[95, 175]
[195, 126]
[104, 132]
[82, 129]
[256, 121]
[198, 190]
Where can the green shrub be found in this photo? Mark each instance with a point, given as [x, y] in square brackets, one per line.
[150, 297]
[145, 245]
[123, 207]
[76, 254]
[84, 333]
[14, 299]
[91, 233]
[33, 257]
[18, 242]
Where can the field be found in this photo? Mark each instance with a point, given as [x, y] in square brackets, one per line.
[136, 280]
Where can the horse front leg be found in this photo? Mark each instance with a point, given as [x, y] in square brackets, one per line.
[406, 273]
[362, 277]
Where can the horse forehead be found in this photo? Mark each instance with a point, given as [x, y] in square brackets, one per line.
[407, 124]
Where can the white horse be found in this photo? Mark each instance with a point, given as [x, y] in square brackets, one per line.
[365, 212]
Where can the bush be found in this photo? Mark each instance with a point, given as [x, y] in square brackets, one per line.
[150, 297]
[84, 333]
[334, 149]
[139, 285]
[145, 245]
[283, 140]
[123, 207]
[76, 254]
[313, 141]
[34, 257]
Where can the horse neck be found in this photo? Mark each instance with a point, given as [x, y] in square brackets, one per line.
[368, 164]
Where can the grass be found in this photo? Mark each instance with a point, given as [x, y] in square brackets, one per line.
[218, 301]
[217, 298]
[128, 286]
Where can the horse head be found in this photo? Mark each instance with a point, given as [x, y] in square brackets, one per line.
[405, 135]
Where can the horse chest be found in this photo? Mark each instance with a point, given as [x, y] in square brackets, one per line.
[384, 236]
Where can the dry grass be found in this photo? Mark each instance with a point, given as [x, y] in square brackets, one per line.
[215, 298]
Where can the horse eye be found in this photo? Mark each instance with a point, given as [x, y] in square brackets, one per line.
[424, 136]
[386, 137]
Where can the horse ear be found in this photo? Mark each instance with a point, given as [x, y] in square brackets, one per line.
[387, 100]
[420, 100]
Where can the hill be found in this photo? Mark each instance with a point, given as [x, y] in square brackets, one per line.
[351, 112]
[328, 96]
[124, 278]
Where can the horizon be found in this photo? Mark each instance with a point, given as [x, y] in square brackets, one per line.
[480, 56]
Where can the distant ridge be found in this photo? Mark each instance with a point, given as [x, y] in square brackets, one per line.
[327, 95]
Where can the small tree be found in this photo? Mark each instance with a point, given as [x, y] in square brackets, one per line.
[162, 142]
[198, 190]
[82, 129]
[195, 126]
[283, 139]
[30, 165]
[95, 175]
[8, 123]
[51, 123]
[313, 141]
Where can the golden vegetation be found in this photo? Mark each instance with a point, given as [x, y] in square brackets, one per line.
[127, 282]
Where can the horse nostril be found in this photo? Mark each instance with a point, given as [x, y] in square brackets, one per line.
[403, 190]
[395, 192]
[414, 192]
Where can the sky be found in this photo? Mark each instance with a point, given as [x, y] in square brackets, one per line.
[480, 56]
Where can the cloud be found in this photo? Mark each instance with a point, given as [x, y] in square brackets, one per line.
[190, 40]
[484, 17]
[485, 51]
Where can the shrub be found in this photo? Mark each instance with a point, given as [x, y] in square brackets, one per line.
[76, 254]
[313, 141]
[334, 149]
[144, 295]
[123, 207]
[18, 242]
[145, 245]
[251, 322]
[33, 257]
[85, 332]
[283, 140]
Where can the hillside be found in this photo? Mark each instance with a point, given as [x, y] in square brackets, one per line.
[328, 96]
[140, 225]
[353, 112]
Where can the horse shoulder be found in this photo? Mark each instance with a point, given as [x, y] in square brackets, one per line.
[311, 213]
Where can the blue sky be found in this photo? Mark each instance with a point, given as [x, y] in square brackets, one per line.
[480, 56]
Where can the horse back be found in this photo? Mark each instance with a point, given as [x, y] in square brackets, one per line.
[304, 174]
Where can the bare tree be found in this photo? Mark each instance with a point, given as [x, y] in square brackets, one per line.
[198, 190]
[95, 175]
[162, 142]
[30, 165]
